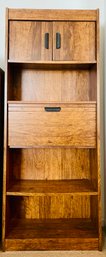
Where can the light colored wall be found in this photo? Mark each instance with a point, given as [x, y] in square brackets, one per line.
[60, 4]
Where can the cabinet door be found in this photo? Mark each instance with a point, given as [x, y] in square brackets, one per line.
[27, 40]
[77, 41]
[37, 125]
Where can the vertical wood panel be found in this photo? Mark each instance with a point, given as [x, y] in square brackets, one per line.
[1, 142]
[51, 85]
[98, 132]
[5, 136]
[45, 207]
[93, 83]
[50, 164]
[93, 168]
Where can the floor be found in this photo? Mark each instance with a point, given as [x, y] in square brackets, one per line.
[57, 253]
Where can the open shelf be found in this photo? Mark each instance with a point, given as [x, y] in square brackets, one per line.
[41, 166]
[53, 64]
[41, 187]
[53, 228]
[49, 82]
[48, 234]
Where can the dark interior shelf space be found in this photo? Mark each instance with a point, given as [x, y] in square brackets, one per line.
[52, 228]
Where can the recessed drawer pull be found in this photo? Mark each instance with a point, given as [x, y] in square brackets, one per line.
[52, 109]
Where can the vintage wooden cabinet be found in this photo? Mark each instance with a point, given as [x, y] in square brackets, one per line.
[52, 196]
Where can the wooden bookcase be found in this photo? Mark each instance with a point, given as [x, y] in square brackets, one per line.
[52, 198]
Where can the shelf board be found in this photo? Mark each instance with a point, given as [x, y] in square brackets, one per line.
[51, 187]
[50, 103]
[52, 234]
[53, 64]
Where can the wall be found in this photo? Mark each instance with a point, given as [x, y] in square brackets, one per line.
[54, 4]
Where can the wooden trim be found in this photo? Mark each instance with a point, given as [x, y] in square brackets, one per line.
[5, 133]
[28, 14]
[98, 134]
[51, 244]
[24, 106]
[1, 139]
[52, 62]
[34, 102]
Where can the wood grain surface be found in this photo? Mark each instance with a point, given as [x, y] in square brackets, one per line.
[51, 180]
[52, 187]
[1, 142]
[41, 128]
[27, 40]
[22, 34]
[57, 234]
[28, 14]
[77, 41]
[50, 164]
[37, 84]
[45, 206]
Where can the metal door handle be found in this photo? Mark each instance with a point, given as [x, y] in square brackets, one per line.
[58, 40]
[47, 40]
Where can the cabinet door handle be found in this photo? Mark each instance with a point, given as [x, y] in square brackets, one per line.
[47, 40]
[58, 40]
[52, 109]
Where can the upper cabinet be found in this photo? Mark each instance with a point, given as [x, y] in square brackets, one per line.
[47, 41]
[77, 41]
[28, 40]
